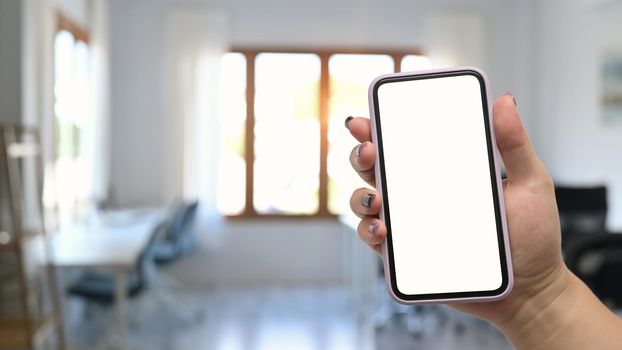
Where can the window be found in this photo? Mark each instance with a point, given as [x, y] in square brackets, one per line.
[232, 117]
[287, 134]
[72, 72]
[284, 148]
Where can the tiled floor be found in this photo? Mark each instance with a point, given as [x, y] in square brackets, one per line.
[454, 331]
[291, 319]
[297, 319]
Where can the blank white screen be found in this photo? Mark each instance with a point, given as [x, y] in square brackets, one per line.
[438, 180]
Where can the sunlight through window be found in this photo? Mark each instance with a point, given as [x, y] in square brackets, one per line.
[287, 133]
[72, 72]
[293, 94]
[232, 116]
[350, 76]
[415, 62]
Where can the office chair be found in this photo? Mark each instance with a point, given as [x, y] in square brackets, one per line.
[99, 288]
[597, 260]
[582, 209]
[179, 238]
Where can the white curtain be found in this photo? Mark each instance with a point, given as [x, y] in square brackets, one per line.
[99, 144]
[195, 41]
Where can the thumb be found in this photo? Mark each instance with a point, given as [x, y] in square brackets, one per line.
[520, 159]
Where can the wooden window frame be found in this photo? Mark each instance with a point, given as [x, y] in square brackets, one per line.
[250, 54]
[65, 23]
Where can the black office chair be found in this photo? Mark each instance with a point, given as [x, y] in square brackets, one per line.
[597, 260]
[99, 288]
[179, 238]
[582, 209]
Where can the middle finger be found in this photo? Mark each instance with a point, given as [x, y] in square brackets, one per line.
[363, 159]
[365, 202]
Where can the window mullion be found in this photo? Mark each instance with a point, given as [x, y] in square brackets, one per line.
[397, 62]
[249, 146]
[324, 99]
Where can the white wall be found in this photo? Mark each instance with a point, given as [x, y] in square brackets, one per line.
[76, 10]
[25, 61]
[576, 146]
[298, 252]
[10, 61]
[141, 158]
[386, 24]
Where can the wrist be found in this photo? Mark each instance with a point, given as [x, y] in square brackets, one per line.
[541, 311]
[562, 314]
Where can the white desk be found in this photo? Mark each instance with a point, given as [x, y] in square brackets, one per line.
[115, 243]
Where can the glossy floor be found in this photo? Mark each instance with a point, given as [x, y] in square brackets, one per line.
[289, 318]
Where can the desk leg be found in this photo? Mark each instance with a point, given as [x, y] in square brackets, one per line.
[120, 296]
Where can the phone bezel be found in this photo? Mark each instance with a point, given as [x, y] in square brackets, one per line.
[502, 238]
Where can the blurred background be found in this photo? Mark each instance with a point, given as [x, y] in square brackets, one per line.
[174, 173]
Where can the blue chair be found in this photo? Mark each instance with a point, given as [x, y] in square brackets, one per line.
[179, 237]
[99, 288]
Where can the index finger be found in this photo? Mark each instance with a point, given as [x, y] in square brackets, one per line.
[360, 128]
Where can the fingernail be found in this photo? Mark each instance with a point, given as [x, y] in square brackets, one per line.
[366, 200]
[372, 228]
[348, 121]
[359, 148]
[513, 98]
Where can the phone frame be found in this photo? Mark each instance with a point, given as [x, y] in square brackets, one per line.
[496, 185]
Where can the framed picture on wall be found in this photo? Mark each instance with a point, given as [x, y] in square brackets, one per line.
[611, 89]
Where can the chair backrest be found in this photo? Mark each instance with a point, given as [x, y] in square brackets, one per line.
[177, 219]
[189, 217]
[144, 266]
[182, 221]
[597, 260]
[582, 209]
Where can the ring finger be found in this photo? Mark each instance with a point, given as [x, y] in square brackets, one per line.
[373, 232]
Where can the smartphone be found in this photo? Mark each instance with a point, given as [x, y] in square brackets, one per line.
[437, 171]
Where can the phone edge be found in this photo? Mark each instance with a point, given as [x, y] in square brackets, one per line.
[497, 160]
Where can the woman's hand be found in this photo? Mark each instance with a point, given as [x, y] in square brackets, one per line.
[544, 289]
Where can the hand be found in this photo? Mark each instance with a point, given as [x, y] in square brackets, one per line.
[540, 275]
